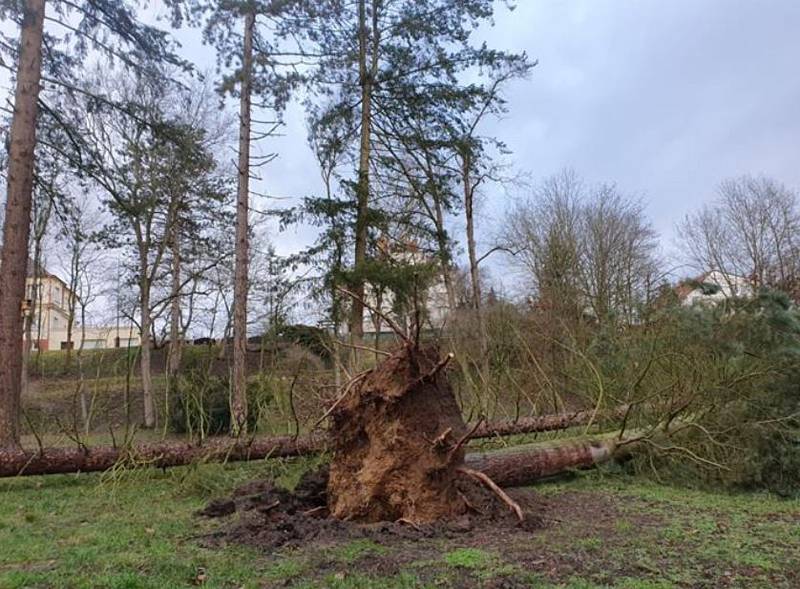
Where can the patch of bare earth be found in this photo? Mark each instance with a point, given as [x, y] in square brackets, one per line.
[596, 536]
[269, 517]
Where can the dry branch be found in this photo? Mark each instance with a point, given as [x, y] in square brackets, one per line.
[486, 480]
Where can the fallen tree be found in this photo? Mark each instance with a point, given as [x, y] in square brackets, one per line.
[526, 463]
[546, 423]
[169, 454]
[516, 465]
[159, 455]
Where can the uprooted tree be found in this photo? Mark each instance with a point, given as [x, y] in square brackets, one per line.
[398, 442]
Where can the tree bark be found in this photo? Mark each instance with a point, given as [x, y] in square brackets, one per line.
[175, 335]
[239, 380]
[146, 349]
[16, 228]
[63, 460]
[522, 465]
[366, 79]
[469, 211]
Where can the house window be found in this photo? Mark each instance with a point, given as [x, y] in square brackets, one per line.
[67, 345]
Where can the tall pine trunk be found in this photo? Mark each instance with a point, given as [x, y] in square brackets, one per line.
[16, 228]
[239, 384]
[469, 211]
[366, 79]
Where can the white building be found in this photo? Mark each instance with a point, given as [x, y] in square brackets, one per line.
[712, 288]
[47, 302]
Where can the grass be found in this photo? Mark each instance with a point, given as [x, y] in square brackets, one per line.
[138, 530]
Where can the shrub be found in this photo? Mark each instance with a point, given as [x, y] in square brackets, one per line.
[200, 403]
[737, 366]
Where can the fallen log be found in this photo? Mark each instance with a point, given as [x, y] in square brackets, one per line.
[169, 454]
[526, 463]
[159, 455]
[546, 423]
[517, 465]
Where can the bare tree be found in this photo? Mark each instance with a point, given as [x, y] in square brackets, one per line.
[618, 257]
[752, 231]
[81, 255]
[588, 252]
[79, 221]
[544, 230]
[148, 161]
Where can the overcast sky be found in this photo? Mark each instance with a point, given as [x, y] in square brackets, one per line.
[665, 98]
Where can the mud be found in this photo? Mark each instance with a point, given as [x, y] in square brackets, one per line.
[262, 515]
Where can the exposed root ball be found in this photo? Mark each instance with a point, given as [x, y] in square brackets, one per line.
[395, 439]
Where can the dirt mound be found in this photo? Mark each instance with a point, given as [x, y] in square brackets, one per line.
[397, 439]
[269, 517]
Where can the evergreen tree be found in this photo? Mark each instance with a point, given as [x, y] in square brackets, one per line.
[376, 61]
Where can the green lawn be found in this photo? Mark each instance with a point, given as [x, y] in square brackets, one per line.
[137, 529]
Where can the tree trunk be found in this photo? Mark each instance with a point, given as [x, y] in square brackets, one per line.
[522, 465]
[146, 349]
[27, 321]
[58, 460]
[16, 228]
[517, 465]
[546, 423]
[469, 211]
[240, 284]
[362, 188]
[161, 455]
[72, 297]
[175, 331]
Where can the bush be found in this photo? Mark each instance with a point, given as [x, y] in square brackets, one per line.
[737, 366]
[200, 403]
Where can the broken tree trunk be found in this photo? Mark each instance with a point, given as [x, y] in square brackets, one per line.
[168, 454]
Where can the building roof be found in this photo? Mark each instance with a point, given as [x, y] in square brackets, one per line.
[40, 271]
